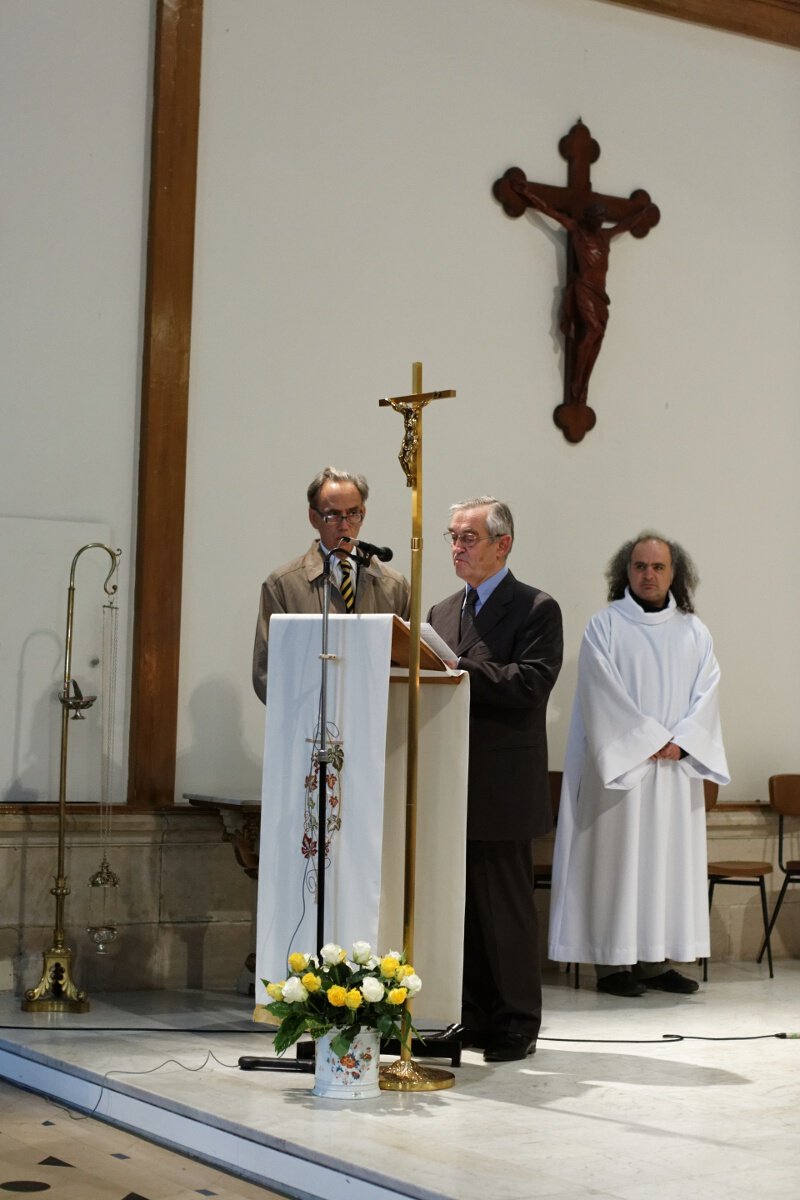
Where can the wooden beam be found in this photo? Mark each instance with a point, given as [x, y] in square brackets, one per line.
[771, 20]
[165, 395]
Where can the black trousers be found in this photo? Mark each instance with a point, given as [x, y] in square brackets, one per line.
[502, 988]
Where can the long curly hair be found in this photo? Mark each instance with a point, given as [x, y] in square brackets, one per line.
[684, 578]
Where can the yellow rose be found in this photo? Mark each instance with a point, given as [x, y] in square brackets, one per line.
[354, 999]
[311, 982]
[298, 962]
[397, 995]
[275, 990]
[337, 996]
[403, 970]
[389, 966]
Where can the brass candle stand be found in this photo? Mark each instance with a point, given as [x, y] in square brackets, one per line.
[406, 1075]
[56, 990]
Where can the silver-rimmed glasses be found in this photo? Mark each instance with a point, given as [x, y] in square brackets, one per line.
[466, 539]
[353, 516]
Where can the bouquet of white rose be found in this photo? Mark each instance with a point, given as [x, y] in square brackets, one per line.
[369, 991]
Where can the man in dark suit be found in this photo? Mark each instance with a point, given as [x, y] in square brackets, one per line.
[508, 639]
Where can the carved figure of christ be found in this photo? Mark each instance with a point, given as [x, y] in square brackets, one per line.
[584, 214]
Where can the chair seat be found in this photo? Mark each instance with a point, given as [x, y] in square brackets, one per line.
[793, 867]
[740, 869]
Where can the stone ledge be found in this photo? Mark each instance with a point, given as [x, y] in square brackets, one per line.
[19, 825]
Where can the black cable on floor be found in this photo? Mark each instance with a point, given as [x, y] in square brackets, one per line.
[674, 1037]
[127, 1029]
[665, 1037]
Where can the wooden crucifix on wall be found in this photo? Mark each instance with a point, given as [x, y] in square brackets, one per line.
[591, 220]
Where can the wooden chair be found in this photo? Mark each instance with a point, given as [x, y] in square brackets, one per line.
[738, 873]
[784, 798]
[543, 870]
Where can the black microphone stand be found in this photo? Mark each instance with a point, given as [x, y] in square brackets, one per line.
[323, 754]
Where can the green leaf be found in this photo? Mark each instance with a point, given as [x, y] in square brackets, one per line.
[343, 1041]
[387, 1027]
[281, 1010]
[290, 1030]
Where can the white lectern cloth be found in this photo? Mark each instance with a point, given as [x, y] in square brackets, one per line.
[364, 883]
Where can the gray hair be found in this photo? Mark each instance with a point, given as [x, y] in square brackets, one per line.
[332, 475]
[499, 520]
[684, 573]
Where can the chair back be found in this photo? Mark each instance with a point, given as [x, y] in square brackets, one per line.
[555, 778]
[710, 792]
[784, 794]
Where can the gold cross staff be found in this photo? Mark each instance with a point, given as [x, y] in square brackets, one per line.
[405, 1074]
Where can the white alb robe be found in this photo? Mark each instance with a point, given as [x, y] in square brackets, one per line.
[630, 867]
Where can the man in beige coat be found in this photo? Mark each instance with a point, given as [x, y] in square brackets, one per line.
[336, 510]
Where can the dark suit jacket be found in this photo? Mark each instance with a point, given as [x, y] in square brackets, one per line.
[513, 661]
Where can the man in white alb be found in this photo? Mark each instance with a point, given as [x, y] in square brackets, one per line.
[630, 869]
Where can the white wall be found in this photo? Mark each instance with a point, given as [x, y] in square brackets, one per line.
[347, 228]
[75, 86]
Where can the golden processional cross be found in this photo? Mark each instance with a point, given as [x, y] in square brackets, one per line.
[405, 1074]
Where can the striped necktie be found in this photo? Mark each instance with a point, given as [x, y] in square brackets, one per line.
[346, 586]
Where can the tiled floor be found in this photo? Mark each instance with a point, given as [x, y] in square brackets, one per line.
[624, 1100]
[47, 1149]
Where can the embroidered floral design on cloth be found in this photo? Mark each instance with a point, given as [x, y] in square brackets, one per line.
[333, 806]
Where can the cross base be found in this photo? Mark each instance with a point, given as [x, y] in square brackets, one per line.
[56, 991]
[574, 420]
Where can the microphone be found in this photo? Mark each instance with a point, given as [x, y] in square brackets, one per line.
[367, 550]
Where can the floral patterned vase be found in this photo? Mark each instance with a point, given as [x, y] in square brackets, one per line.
[354, 1076]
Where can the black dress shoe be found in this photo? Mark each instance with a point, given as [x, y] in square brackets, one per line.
[621, 983]
[672, 981]
[509, 1047]
[464, 1034]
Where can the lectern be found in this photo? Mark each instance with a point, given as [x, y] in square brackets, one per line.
[366, 710]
